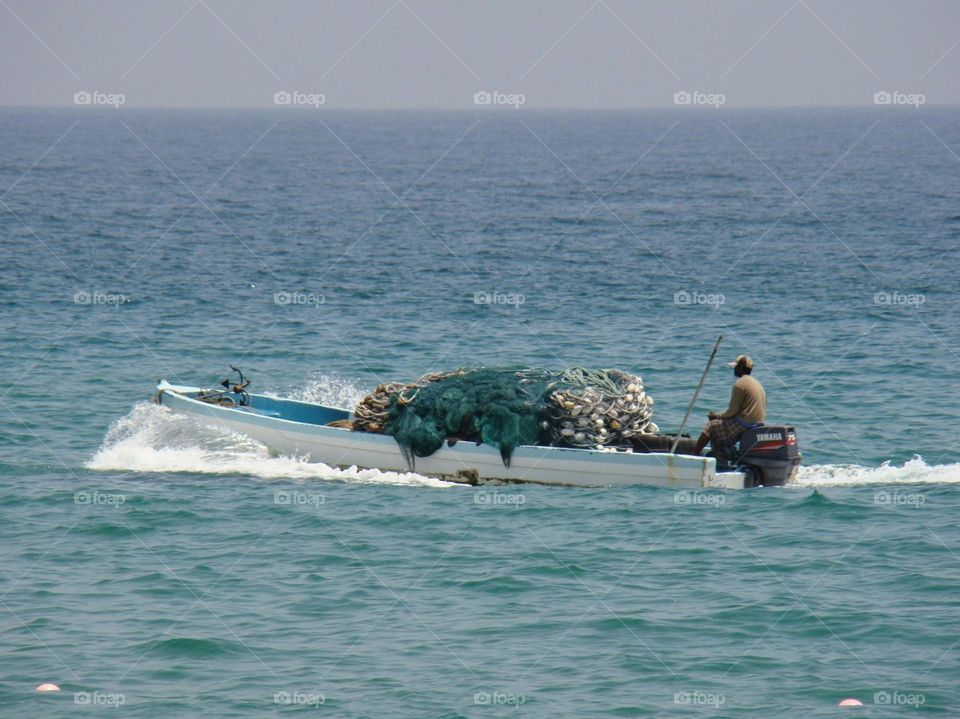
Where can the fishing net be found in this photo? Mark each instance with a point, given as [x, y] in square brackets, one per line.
[509, 407]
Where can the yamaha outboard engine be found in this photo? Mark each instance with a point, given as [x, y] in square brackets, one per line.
[769, 455]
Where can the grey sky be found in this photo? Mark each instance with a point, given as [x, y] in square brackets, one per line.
[438, 53]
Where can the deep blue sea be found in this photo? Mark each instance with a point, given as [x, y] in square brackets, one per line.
[147, 567]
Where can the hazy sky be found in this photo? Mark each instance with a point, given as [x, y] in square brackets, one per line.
[438, 53]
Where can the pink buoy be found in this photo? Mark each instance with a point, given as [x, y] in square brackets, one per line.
[48, 687]
[850, 703]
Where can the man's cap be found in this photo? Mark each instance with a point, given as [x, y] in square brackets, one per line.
[741, 361]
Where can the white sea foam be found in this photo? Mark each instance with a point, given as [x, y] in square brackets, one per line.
[330, 390]
[151, 438]
[913, 471]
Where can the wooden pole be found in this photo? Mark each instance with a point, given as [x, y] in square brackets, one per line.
[696, 395]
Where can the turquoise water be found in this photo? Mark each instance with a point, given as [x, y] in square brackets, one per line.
[156, 563]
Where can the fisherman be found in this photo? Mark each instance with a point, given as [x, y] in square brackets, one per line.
[748, 407]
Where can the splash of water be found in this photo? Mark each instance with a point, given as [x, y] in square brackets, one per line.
[329, 390]
[151, 438]
[913, 471]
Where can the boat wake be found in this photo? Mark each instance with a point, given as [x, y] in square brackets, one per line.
[150, 438]
[913, 471]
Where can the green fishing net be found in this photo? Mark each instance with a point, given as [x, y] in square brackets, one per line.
[508, 407]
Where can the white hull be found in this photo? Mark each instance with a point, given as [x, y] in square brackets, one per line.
[464, 462]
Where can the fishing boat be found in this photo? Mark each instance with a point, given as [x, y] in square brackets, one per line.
[310, 431]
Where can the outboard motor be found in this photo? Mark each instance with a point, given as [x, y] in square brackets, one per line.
[769, 454]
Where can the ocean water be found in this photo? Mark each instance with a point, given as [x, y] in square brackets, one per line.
[169, 568]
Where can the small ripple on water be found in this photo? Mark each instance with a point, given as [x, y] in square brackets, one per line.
[192, 648]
